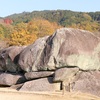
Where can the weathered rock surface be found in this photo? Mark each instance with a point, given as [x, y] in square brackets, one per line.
[31, 56]
[88, 82]
[66, 47]
[34, 75]
[43, 84]
[72, 47]
[64, 56]
[9, 58]
[65, 74]
[8, 79]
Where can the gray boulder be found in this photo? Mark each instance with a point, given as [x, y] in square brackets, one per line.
[66, 47]
[88, 82]
[65, 74]
[9, 58]
[31, 56]
[7, 79]
[43, 84]
[35, 75]
[72, 47]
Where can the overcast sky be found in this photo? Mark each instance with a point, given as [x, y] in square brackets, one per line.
[8, 7]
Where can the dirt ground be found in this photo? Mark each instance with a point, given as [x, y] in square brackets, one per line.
[9, 94]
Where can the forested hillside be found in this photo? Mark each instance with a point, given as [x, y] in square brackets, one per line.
[26, 27]
[89, 21]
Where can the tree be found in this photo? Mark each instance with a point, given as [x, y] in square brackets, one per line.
[41, 27]
[21, 36]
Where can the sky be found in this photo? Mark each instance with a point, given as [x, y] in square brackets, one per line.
[8, 7]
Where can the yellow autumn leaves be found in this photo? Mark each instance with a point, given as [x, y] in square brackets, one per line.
[24, 34]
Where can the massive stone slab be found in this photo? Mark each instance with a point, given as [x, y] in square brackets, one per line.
[72, 47]
[43, 84]
[66, 47]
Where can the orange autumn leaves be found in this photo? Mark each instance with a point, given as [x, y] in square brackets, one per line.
[24, 34]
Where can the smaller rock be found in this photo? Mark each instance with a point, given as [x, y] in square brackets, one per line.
[65, 73]
[2, 64]
[9, 58]
[8, 79]
[88, 82]
[34, 75]
[43, 84]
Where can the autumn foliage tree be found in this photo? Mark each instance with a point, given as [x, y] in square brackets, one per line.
[5, 30]
[25, 34]
[1, 33]
[85, 25]
[41, 27]
[21, 36]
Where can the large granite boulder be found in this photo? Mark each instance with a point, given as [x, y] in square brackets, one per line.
[8, 79]
[66, 47]
[31, 56]
[9, 58]
[72, 47]
[43, 84]
[35, 75]
[88, 82]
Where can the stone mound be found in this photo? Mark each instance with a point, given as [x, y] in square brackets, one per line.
[68, 60]
[66, 47]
